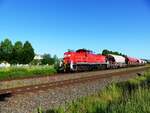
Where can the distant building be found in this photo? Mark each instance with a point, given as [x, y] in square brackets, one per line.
[37, 60]
[38, 57]
[4, 64]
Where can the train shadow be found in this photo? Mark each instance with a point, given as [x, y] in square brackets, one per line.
[4, 96]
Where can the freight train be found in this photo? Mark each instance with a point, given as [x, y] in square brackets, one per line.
[86, 60]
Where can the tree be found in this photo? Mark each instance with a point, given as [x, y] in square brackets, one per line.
[56, 62]
[55, 58]
[105, 52]
[1, 59]
[27, 53]
[6, 49]
[70, 50]
[47, 59]
[17, 53]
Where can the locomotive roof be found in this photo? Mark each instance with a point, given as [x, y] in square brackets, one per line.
[84, 50]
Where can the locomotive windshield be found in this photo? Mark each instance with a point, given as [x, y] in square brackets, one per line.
[84, 50]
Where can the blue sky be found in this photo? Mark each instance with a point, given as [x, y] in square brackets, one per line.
[53, 26]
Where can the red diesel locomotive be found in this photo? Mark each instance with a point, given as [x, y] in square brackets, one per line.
[83, 60]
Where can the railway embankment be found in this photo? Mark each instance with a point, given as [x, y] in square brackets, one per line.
[21, 82]
[59, 96]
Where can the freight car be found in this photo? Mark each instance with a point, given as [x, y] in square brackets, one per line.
[86, 60]
[115, 61]
[132, 61]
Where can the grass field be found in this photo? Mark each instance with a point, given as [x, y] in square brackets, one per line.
[20, 72]
[126, 97]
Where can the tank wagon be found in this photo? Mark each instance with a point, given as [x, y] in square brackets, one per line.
[86, 60]
[115, 61]
[132, 61]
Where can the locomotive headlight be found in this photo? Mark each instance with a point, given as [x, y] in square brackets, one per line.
[69, 55]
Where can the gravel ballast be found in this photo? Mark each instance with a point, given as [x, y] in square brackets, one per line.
[29, 102]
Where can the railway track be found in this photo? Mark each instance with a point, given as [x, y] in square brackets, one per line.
[33, 88]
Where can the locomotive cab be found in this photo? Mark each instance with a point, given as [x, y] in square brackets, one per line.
[68, 61]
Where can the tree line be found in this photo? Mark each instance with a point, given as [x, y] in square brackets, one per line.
[106, 52]
[47, 59]
[22, 53]
[17, 53]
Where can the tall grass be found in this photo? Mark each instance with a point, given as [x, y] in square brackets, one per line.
[132, 96]
[137, 102]
[19, 72]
